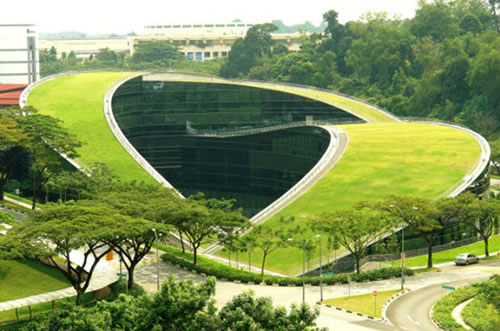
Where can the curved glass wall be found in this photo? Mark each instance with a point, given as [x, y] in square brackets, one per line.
[172, 125]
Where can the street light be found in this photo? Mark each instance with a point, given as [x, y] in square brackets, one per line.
[305, 242]
[157, 262]
[402, 242]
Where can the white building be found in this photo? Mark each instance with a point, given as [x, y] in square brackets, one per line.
[203, 42]
[19, 60]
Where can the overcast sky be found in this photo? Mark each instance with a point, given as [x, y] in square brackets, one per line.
[123, 16]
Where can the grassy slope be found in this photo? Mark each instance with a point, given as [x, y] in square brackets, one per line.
[381, 159]
[449, 255]
[364, 304]
[22, 279]
[77, 100]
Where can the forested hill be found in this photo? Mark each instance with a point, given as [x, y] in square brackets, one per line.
[443, 63]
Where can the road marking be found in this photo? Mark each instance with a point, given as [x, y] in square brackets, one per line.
[417, 323]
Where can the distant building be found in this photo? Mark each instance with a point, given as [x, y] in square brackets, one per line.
[198, 42]
[203, 42]
[85, 47]
[19, 61]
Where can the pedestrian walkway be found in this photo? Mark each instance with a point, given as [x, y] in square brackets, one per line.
[16, 202]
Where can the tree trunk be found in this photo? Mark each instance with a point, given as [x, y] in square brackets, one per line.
[195, 256]
[130, 270]
[486, 248]
[33, 201]
[79, 297]
[1, 192]
[182, 242]
[429, 256]
[263, 264]
[357, 265]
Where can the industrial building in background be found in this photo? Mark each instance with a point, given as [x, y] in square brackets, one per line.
[19, 61]
[199, 42]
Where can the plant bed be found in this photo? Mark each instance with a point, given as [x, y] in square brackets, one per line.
[443, 308]
[223, 272]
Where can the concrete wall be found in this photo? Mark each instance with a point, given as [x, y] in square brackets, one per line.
[19, 61]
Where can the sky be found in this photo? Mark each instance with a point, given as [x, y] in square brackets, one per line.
[123, 16]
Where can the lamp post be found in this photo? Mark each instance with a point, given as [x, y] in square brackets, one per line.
[305, 242]
[157, 262]
[402, 243]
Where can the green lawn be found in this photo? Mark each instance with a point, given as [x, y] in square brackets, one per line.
[23, 279]
[364, 304]
[77, 100]
[381, 159]
[449, 255]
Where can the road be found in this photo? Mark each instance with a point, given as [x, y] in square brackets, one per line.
[411, 312]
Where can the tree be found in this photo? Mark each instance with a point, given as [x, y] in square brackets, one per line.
[244, 312]
[155, 51]
[49, 140]
[13, 139]
[494, 6]
[106, 55]
[60, 230]
[209, 217]
[481, 216]
[268, 239]
[434, 20]
[245, 52]
[249, 244]
[495, 155]
[356, 229]
[179, 306]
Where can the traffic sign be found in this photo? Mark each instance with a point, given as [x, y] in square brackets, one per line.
[121, 274]
[375, 293]
[446, 287]
[403, 260]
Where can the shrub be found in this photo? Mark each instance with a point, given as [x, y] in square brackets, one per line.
[444, 307]
[221, 271]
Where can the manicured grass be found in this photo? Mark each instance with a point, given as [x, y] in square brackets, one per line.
[449, 255]
[77, 100]
[364, 304]
[495, 176]
[411, 159]
[27, 278]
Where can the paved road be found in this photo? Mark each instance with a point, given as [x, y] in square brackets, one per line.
[411, 311]
[335, 320]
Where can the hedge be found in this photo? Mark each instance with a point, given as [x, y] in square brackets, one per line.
[223, 272]
[443, 308]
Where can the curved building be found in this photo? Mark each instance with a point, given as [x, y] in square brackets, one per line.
[279, 150]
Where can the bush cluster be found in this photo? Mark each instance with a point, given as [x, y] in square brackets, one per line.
[221, 271]
[444, 307]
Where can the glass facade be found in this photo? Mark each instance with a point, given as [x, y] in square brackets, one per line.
[172, 125]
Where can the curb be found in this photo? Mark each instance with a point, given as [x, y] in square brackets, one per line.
[388, 302]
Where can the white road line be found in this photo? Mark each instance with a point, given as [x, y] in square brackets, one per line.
[417, 323]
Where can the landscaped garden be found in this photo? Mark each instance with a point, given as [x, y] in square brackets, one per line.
[363, 304]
